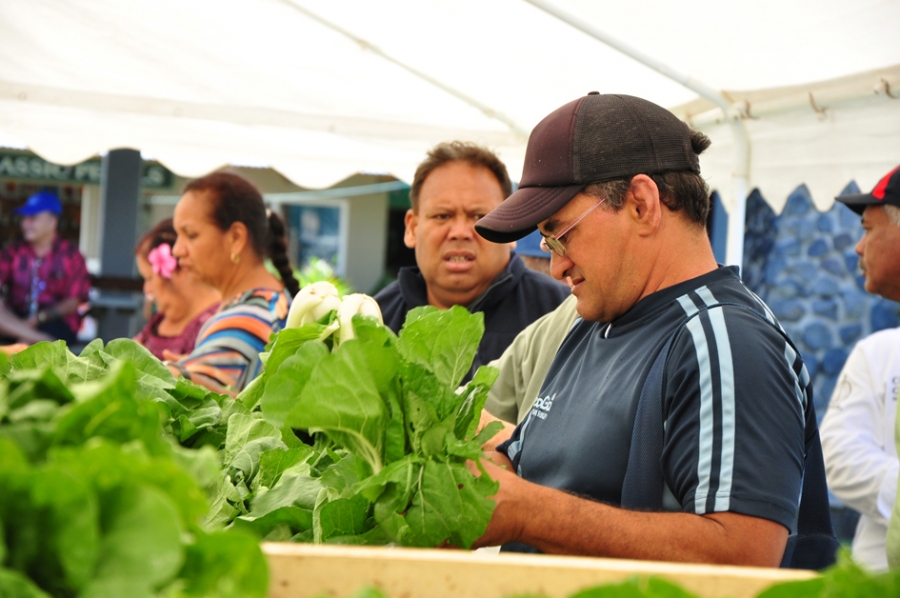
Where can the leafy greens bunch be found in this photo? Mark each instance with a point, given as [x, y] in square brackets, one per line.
[389, 432]
[97, 497]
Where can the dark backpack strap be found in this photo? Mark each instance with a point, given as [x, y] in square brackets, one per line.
[814, 546]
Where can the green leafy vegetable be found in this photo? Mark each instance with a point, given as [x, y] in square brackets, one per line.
[100, 495]
[392, 434]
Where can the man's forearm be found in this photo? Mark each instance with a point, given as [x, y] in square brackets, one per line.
[61, 309]
[559, 523]
[12, 326]
[579, 526]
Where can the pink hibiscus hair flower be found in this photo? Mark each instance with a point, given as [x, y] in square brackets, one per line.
[162, 260]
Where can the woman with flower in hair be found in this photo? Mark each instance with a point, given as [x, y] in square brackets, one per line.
[225, 234]
[183, 304]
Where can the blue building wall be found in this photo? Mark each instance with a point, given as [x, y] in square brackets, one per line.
[803, 264]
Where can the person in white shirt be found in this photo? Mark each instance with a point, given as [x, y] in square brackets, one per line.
[857, 432]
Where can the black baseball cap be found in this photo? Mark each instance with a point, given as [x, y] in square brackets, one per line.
[598, 137]
[886, 192]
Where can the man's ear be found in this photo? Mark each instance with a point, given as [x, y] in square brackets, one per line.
[644, 205]
[409, 236]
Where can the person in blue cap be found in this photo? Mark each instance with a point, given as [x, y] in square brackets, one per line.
[43, 278]
[529, 249]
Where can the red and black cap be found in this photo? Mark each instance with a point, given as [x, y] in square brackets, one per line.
[886, 192]
[593, 139]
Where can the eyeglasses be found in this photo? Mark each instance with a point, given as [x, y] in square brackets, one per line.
[554, 244]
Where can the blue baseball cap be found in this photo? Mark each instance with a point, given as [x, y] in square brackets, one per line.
[42, 201]
[530, 245]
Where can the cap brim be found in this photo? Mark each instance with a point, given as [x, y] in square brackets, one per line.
[858, 202]
[520, 213]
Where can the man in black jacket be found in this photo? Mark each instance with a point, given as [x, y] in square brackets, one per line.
[457, 184]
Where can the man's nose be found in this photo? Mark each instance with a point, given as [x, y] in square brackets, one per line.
[860, 246]
[462, 228]
[559, 265]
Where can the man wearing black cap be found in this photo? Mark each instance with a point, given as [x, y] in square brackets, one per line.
[43, 278]
[858, 428]
[613, 184]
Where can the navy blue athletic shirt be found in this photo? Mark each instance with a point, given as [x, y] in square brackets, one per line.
[734, 405]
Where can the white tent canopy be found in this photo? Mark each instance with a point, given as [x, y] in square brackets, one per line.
[320, 89]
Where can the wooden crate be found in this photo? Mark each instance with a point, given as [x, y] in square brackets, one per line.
[307, 571]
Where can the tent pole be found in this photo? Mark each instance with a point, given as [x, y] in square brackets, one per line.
[740, 175]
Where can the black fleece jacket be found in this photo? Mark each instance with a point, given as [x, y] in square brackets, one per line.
[516, 298]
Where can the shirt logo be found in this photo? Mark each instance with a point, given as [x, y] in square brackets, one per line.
[542, 406]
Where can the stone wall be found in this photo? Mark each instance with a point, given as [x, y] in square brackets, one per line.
[803, 264]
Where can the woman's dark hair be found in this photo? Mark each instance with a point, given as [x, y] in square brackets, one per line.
[162, 233]
[237, 200]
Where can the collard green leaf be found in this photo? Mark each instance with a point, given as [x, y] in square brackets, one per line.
[445, 341]
[206, 415]
[290, 340]
[106, 466]
[141, 543]
[340, 518]
[36, 410]
[292, 519]
[225, 505]
[296, 490]
[69, 508]
[12, 458]
[244, 429]
[475, 395]
[39, 384]
[403, 473]
[92, 348]
[253, 392]
[273, 463]
[34, 438]
[248, 438]
[286, 383]
[39, 355]
[225, 565]
[215, 435]
[117, 587]
[151, 370]
[421, 394]
[488, 432]
[4, 368]
[342, 399]
[68, 367]
[395, 439]
[108, 409]
[50, 524]
[344, 475]
[15, 585]
[450, 505]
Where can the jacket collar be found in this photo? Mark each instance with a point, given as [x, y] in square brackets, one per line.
[415, 292]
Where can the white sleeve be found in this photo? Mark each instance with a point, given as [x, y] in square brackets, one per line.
[860, 470]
